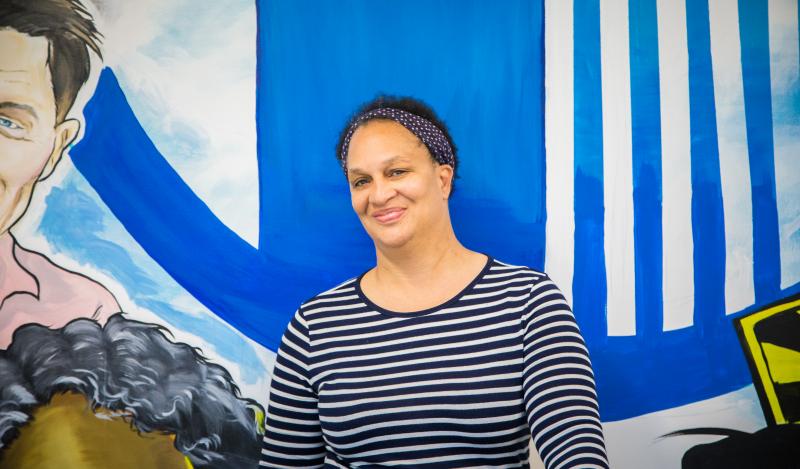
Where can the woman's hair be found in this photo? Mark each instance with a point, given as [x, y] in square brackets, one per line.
[132, 368]
[404, 103]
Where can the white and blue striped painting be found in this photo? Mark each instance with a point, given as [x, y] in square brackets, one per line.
[644, 153]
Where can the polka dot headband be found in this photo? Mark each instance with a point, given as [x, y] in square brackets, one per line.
[431, 136]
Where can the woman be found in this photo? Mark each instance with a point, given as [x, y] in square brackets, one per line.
[438, 356]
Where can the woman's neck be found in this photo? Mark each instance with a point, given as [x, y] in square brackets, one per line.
[415, 265]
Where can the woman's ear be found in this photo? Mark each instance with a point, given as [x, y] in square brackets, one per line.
[445, 176]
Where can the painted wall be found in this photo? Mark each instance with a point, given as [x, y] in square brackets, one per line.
[642, 152]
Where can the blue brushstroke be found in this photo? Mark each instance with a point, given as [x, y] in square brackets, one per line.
[646, 165]
[589, 280]
[708, 228]
[185, 34]
[754, 38]
[85, 243]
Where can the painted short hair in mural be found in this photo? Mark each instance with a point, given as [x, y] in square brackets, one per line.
[71, 33]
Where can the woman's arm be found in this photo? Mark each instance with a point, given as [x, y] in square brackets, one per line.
[558, 384]
[293, 436]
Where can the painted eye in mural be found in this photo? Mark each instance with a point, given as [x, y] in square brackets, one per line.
[9, 124]
[11, 128]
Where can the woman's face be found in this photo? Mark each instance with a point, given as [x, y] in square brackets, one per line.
[398, 192]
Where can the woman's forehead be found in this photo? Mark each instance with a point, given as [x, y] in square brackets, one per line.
[384, 143]
[383, 129]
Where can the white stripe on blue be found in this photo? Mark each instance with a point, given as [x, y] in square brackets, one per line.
[785, 84]
[680, 294]
[560, 228]
[617, 167]
[677, 256]
[733, 154]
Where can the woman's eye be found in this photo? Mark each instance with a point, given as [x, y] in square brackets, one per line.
[359, 182]
[397, 172]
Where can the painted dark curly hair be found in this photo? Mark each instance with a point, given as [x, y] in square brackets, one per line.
[134, 368]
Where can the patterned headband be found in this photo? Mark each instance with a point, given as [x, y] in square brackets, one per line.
[431, 136]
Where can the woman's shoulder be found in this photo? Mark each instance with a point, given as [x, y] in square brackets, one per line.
[500, 269]
[503, 273]
[335, 297]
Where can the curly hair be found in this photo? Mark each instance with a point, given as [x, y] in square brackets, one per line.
[133, 368]
[404, 103]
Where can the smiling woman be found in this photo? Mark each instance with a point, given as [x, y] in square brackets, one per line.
[438, 356]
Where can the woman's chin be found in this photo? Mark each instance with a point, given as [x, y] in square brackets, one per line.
[391, 239]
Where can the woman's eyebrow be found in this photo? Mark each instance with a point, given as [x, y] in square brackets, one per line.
[385, 163]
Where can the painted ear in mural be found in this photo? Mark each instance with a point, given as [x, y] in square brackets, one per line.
[65, 134]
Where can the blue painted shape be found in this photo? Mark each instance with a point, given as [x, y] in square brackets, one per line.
[589, 280]
[754, 38]
[646, 165]
[708, 229]
[253, 292]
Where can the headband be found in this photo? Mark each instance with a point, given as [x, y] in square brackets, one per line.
[431, 136]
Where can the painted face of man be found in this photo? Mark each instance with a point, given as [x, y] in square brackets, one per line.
[31, 139]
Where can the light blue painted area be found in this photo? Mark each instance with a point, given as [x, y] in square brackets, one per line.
[99, 240]
[177, 139]
[192, 34]
[186, 39]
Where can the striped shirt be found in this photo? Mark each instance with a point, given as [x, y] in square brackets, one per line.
[464, 384]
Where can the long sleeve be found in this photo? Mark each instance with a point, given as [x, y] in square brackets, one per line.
[558, 384]
[293, 437]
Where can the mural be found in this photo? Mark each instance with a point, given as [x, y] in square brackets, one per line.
[643, 152]
[81, 385]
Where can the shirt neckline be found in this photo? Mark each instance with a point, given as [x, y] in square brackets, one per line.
[19, 279]
[363, 297]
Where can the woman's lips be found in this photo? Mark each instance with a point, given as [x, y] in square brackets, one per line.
[389, 215]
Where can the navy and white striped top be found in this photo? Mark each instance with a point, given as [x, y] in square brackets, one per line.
[464, 384]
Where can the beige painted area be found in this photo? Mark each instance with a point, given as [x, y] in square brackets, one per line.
[536, 463]
[67, 433]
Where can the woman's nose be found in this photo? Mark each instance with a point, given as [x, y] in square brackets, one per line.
[382, 191]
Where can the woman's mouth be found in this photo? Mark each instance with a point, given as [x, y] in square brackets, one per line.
[388, 215]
